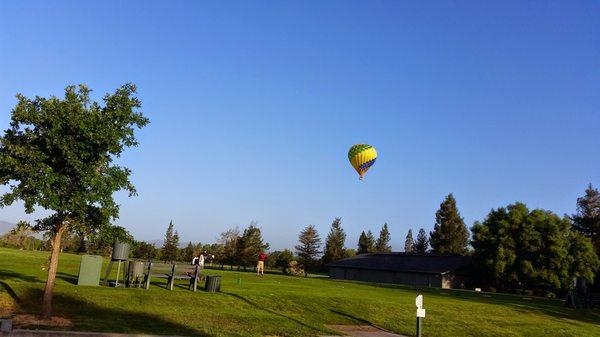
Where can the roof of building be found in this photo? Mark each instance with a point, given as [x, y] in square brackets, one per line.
[406, 262]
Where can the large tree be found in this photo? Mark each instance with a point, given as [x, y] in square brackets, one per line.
[228, 240]
[308, 248]
[450, 235]
[587, 219]
[518, 248]
[58, 155]
[366, 243]
[249, 245]
[409, 243]
[422, 243]
[334, 245]
[170, 247]
[382, 245]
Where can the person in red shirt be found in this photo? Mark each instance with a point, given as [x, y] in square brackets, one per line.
[260, 268]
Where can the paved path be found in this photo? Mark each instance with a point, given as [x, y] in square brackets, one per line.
[362, 331]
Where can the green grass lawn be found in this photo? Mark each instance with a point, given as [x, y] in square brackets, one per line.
[278, 305]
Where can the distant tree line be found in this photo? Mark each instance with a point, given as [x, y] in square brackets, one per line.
[514, 249]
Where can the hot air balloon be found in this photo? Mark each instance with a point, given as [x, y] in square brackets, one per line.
[362, 157]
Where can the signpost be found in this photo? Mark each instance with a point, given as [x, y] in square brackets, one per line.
[420, 314]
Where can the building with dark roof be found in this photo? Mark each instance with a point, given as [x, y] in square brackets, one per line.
[429, 270]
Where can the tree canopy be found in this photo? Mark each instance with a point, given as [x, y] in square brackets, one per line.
[518, 248]
[450, 234]
[382, 245]
[58, 154]
[422, 243]
[334, 245]
[308, 247]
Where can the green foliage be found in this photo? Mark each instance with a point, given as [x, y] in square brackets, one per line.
[21, 237]
[308, 248]
[249, 245]
[144, 250]
[383, 242]
[409, 243]
[170, 248]
[59, 155]
[187, 254]
[450, 235]
[280, 259]
[334, 245]
[366, 243]
[587, 219]
[229, 242]
[422, 243]
[515, 248]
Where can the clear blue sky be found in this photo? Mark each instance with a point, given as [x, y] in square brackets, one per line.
[254, 105]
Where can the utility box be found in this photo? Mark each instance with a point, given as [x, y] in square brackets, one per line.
[89, 270]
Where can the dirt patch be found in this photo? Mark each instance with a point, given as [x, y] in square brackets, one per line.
[27, 320]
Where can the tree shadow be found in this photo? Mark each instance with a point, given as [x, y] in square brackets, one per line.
[7, 275]
[520, 303]
[247, 301]
[70, 278]
[90, 317]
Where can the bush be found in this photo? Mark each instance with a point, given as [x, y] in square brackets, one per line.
[295, 269]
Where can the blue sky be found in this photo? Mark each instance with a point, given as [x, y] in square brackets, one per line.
[253, 106]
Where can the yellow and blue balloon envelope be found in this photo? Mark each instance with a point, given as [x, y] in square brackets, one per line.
[362, 157]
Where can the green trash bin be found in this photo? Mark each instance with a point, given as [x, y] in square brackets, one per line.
[89, 270]
[213, 284]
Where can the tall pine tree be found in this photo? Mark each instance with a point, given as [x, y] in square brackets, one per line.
[249, 245]
[169, 248]
[383, 242]
[363, 244]
[409, 242]
[334, 245]
[587, 219]
[422, 243]
[449, 234]
[308, 248]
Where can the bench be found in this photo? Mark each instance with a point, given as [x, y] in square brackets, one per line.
[172, 272]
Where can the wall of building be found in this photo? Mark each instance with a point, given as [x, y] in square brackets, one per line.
[382, 276]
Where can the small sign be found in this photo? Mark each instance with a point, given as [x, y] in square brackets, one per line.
[420, 312]
[419, 302]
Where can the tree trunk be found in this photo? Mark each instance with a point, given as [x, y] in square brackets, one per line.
[48, 290]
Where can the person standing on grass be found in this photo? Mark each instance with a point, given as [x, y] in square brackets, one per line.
[260, 268]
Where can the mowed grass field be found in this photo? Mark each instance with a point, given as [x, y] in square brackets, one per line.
[278, 305]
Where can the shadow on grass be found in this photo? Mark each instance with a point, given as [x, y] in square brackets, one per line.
[90, 317]
[247, 301]
[545, 306]
[67, 277]
[7, 275]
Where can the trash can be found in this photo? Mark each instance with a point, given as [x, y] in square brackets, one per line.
[213, 284]
[89, 270]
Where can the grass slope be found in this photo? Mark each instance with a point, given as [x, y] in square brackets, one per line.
[278, 305]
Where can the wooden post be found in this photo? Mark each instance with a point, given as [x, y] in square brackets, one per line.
[194, 281]
[147, 279]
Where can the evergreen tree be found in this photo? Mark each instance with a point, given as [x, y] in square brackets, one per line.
[587, 219]
[169, 248]
[249, 245]
[187, 253]
[308, 249]
[370, 242]
[334, 245]
[422, 243]
[383, 242]
[409, 242]
[363, 244]
[449, 234]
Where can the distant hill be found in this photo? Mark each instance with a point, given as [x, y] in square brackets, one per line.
[5, 226]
